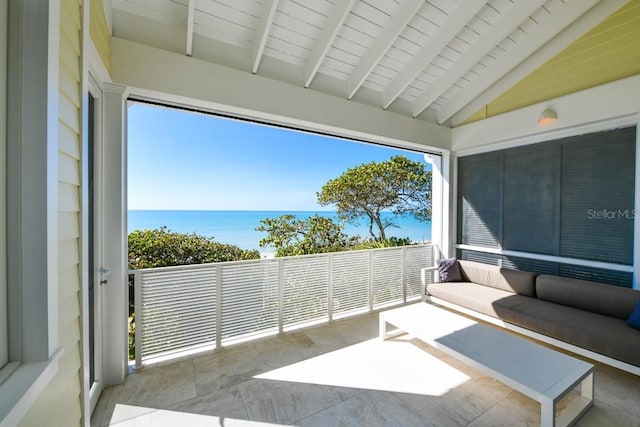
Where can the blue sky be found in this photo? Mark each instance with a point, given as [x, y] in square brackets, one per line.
[180, 160]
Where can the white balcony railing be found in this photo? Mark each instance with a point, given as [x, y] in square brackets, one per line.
[205, 306]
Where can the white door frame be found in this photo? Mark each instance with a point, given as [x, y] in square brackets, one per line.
[95, 270]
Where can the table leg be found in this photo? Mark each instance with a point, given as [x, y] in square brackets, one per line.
[574, 411]
[547, 413]
[384, 333]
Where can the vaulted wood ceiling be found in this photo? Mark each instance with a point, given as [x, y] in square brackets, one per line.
[436, 60]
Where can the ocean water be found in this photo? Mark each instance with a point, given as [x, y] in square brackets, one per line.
[238, 227]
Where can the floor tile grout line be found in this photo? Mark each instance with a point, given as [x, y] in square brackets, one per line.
[491, 407]
[360, 392]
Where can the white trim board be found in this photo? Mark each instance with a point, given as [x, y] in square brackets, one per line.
[551, 258]
[199, 84]
[636, 220]
[552, 135]
[4, 327]
[603, 107]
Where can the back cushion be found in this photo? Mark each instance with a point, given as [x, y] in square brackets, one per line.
[519, 282]
[609, 300]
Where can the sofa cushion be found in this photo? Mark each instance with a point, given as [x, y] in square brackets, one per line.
[483, 299]
[596, 332]
[519, 282]
[608, 300]
[449, 270]
[634, 319]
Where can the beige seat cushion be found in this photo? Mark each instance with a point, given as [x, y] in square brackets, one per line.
[596, 332]
[519, 282]
[609, 300]
[483, 299]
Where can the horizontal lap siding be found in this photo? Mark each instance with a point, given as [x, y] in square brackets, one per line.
[60, 403]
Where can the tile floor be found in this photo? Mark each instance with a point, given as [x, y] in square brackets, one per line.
[340, 375]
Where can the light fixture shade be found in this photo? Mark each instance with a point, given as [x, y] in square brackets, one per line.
[548, 116]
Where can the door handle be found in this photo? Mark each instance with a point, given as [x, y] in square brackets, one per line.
[104, 273]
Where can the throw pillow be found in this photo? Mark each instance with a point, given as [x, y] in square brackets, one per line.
[449, 270]
[634, 319]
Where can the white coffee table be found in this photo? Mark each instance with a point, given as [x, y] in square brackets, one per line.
[536, 371]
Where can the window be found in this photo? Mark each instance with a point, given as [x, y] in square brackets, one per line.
[25, 198]
[572, 199]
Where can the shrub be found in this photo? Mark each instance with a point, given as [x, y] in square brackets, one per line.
[386, 243]
[163, 247]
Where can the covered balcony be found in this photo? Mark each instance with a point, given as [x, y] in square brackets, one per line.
[340, 374]
[527, 110]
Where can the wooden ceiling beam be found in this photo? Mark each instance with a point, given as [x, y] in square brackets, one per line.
[262, 32]
[324, 41]
[454, 23]
[191, 11]
[587, 21]
[557, 22]
[398, 22]
[515, 16]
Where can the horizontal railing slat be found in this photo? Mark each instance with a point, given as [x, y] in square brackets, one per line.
[176, 306]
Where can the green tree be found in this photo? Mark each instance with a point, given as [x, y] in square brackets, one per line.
[293, 236]
[399, 186]
[163, 247]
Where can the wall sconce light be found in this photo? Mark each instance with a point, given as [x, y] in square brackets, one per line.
[547, 117]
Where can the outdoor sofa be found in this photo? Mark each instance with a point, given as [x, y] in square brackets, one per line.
[584, 317]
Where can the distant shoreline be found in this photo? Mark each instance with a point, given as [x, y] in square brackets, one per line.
[237, 227]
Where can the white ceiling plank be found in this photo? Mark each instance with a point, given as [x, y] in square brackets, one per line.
[165, 13]
[406, 11]
[191, 9]
[554, 25]
[323, 43]
[262, 32]
[501, 29]
[452, 26]
[590, 19]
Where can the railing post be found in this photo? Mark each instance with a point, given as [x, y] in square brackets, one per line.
[330, 290]
[139, 318]
[370, 281]
[403, 277]
[218, 306]
[280, 295]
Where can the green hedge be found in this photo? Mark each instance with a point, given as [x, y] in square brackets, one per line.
[163, 247]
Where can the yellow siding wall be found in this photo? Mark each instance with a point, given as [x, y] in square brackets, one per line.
[608, 52]
[60, 403]
[99, 31]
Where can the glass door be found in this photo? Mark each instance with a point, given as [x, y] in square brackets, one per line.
[93, 248]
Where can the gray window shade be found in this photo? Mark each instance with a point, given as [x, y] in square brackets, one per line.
[479, 257]
[598, 196]
[532, 198]
[572, 197]
[480, 200]
[612, 277]
[528, 264]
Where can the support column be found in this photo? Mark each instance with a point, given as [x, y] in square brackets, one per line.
[440, 206]
[114, 203]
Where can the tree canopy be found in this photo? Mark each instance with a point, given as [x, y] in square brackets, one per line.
[399, 186]
[163, 247]
[294, 236]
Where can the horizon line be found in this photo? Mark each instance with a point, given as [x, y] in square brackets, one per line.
[232, 210]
